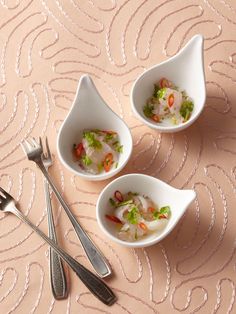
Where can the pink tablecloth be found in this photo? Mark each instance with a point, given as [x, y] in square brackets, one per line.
[45, 46]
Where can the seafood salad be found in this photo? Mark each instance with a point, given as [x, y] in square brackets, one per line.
[98, 151]
[168, 103]
[136, 215]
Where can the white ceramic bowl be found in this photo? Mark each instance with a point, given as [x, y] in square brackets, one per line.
[185, 70]
[160, 192]
[89, 111]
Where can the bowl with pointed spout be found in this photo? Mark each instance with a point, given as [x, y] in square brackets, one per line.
[185, 70]
[89, 111]
[160, 192]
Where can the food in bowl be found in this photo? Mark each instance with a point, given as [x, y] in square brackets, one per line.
[168, 102]
[98, 151]
[136, 215]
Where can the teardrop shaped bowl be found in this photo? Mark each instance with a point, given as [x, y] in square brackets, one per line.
[160, 192]
[89, 111]
[185, 70]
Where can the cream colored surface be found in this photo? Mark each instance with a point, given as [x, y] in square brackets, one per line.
[45, 46]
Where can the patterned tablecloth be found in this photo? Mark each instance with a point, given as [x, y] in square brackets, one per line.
[45, 46]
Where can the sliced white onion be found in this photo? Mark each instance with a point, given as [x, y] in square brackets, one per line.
[144, 202]
[125, 227]
[156, 224]
[136, 200]
[119, 212]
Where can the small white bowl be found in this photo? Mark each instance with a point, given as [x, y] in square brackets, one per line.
[160, 192]
[89, 111]
[185, 70]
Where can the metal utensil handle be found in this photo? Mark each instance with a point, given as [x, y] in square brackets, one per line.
[94, 255]
[57, 273]
[92, 282]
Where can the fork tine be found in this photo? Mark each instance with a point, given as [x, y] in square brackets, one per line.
[25, 146]
[41, 142]
[4, 193]
[34, 142]
[29, 143]
[41, 145]
[2, 190]
[48, 149]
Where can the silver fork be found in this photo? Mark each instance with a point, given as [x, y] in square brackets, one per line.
[34, 152]
[92, 282]
[57, 273]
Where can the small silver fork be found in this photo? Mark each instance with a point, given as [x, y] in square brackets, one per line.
[34, 151]
[92, 282]
[57, 273]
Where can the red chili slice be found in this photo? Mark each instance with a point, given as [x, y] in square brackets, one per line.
[164, 83]
[118, 196]
[162, 216]
[155, 118]
[114, 219]
[79, 150]
[108, 161]
[151, 209]
[143, 226]
[171, 100]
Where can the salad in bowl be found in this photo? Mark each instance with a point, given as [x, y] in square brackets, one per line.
[98, 151]
[137, 210]
[136, 215]
[168, 102]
